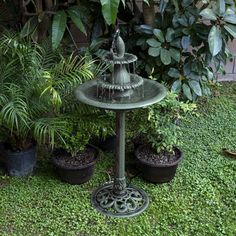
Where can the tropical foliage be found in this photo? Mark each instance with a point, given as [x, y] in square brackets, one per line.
[44, 18]
[159, 124]
[187, 44]
[30, 103]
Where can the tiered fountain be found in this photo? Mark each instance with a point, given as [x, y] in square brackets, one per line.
[120, 91]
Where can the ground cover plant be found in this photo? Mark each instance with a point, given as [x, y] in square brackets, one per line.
[199, 201]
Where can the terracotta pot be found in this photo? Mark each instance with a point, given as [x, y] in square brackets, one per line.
[157, 173]
[76, 174]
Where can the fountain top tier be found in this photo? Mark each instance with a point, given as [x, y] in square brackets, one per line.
[122, 89]
[117, 53]
[121, 82]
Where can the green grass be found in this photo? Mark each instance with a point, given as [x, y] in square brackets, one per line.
[201, 200]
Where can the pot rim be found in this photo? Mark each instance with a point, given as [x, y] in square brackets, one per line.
[181, 155]
[96, 156]
[16, 153]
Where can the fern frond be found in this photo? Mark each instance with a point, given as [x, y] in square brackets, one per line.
[48, 130]
[14, 112]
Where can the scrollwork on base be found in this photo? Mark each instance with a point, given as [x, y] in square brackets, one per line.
[131, 203]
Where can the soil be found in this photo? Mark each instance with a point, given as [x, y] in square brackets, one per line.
[80, 160]
[148, 155]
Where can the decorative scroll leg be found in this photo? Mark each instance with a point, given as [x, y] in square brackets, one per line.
[116, 199]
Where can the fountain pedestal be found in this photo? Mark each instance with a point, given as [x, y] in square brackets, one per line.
[117, 199]
[122, 92]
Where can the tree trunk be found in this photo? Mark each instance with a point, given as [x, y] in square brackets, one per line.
[149, 13]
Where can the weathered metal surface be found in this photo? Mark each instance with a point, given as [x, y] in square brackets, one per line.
[121, 91]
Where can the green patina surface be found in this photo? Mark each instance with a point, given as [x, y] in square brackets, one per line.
[200, 201]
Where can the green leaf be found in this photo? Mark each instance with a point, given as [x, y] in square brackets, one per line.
[141, 42]
[185, 42]
[154, 52]
[183, 20]
[76, 18]
[220, 6]
[123, 1]
[231, 29]
[195, 86]
[208, 14]
[230, 18]
[174, 73]
[187, 92]
[29, 26]
[109, 10]
[175, 54]
[158, 33]
[165, 56]
[170, 34]
[58, 28]
[176, 87]
[153, 43]
[215, 40]
[186, 3]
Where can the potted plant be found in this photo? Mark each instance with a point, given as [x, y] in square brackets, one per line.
[159, 155]
[29, 101]
[21, 110]
[73, 157]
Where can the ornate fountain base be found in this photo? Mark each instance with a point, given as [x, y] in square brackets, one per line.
[131, 202]
[116, 199]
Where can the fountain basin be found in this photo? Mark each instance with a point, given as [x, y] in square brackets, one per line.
[147, 94]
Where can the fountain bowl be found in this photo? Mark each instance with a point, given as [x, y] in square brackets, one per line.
[147, 94]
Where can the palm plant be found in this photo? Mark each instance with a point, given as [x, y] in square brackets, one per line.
[30, 103]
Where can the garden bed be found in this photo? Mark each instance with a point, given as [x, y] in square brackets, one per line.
[199, 201]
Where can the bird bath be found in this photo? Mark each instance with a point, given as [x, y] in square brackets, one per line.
[120, 91]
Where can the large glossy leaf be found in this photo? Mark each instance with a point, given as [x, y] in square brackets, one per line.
[187, 91]
[176, 87]
[29, 26]
[76, 18]
[208, 14]
[163, 4]
[153, 43]
[123, 1]
[230, 18]
[146, 29]
[231, 29]
[185, 42]
[175, 54]
[158, 33]
[174, 73]
[195, 86]
[154, 52]
[215, 40]
[165, 56]
[186, 3]
[109, 10]
[170, 34]
[220, 6]
[183, 20]
[58, 28]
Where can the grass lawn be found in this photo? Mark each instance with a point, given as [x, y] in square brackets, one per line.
[201, 200]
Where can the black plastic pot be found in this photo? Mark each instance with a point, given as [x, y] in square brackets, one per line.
[2, 161]
[76, 175]
[158, 173]
[22, 163]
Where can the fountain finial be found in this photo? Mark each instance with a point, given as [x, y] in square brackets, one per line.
[118, 45]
